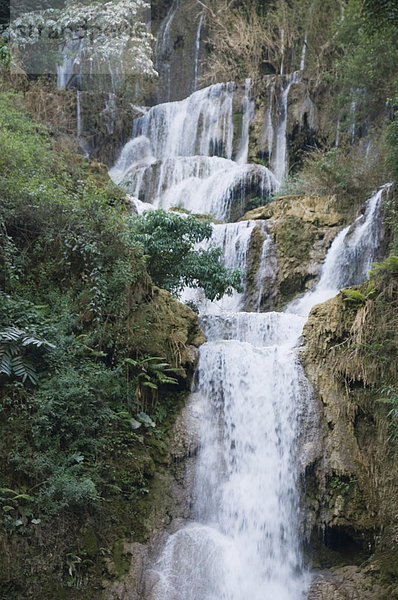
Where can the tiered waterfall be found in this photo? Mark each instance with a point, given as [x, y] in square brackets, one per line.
[242, 541]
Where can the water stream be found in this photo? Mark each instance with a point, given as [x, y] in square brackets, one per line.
[190, 154]
[242, 540]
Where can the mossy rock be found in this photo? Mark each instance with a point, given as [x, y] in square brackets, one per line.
[167, 328]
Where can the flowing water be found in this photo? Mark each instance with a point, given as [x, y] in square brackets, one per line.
[197, 49]
[242, 540]
[190, 154]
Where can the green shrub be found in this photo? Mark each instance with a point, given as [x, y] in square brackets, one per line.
[168, 241]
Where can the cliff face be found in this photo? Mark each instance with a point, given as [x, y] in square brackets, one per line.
[351, 485]
[302, 229]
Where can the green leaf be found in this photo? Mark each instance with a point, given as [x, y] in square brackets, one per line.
[145, 419]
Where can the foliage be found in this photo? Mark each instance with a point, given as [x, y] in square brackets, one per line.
[168, 240]
[348, 172]
[392, 139]
[356, 296]
[364, 69]
[149, 372]
[5, 55]
[390, 265]
[390, 398]
[368, 352]
[71, 281]
[380, 14]
[14, 349]
[253, 38]
[91, 33]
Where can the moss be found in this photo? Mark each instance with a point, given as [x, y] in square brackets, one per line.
[120, 561]
[254, 257]
[90, 542]
[352, 492]
[388, 563]
[164, 327]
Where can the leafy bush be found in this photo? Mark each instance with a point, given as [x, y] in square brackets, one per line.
[168, 240]
[348, 172]
[14, 348]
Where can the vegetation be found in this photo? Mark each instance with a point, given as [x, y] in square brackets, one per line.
[95, 362]
[173, 262]
[89, 383]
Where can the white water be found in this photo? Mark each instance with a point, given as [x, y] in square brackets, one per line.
[303, 52]
[70, 61]
[279, 160]
[242, 541]
[234, 240]
[248, 115]
[109, 113]
[187, 154]
[197, 48]
[270, 128]
[349, 258]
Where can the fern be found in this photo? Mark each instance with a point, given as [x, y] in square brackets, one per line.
[14, 343]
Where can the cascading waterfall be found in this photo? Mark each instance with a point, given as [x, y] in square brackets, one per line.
[234, 240]
[243, 541]
[349, 258]
[189, 154]
[250, 391]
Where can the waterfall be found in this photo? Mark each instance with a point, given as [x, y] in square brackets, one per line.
[250, 393]
[279, 162]
[349, 258]
[197, 48]
[303, 52]
[248, 115]
[71, 58]
[337, 139]
[189, 154]
[234, 239]
[163, 49]
[304, 49]
[353, 111]
[79, 113]
[242, 540]
[109, 113]
[269, 133]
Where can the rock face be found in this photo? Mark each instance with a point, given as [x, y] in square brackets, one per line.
[302, 229]
[181, 30]
[350, 486]
[346, 583]
[167, 508]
